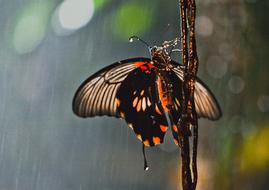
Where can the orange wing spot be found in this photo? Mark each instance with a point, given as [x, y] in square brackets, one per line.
[157, 110]
[175, 128]
[144, 104]
[176, 141]
[163, 128]
[139, 64]
[130, 125]
[118, 102]
[139, 137]
[122, 115]
[135, 102]
[146, 143]
[142, 93]
[148, 101]
[156, 140]
[138, 107]
[163, 98]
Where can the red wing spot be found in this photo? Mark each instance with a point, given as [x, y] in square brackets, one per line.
[151, 66]
[146, 143]
[175, 128]
[163, 128]
[144, 68]
[156, 140]
[139, 64]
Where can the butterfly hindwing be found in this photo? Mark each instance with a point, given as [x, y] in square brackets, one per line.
[138, 106]
[206, 104]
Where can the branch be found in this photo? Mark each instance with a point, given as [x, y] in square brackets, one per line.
[189, 116]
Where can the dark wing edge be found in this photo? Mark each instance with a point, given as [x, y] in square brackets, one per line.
[206, 104]
[96, 96]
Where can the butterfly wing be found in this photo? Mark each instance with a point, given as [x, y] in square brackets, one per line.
[97, 94]
[138, 106]
[125, 89]
[206, 104]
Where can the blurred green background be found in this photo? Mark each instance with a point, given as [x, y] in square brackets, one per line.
[49, 47]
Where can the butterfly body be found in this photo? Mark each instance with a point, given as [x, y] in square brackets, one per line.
[146, 93]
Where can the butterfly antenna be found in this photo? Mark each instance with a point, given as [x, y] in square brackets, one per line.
[132, 38]
[175, 50]
[146, 168]
[173, 44]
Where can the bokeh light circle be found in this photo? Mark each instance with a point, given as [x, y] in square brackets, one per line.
[263, 103]
[236, 84]
[74, 14]
[132, 19]
[31, 27]
[204, 26]
[216, 67]
[226, 51]
[23, 42]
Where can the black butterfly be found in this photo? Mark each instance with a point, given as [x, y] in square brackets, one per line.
[145, 92]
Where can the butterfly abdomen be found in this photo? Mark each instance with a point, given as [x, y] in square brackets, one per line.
[164, 91]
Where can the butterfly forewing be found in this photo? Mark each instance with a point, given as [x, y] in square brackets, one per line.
[97, 95]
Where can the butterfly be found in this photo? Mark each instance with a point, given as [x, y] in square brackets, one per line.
[145, 92]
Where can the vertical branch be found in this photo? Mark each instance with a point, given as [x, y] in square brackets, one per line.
[182, 124]
[189, 116]
[193, 68]
[194, 156]
[184, 32]
[184, 139]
